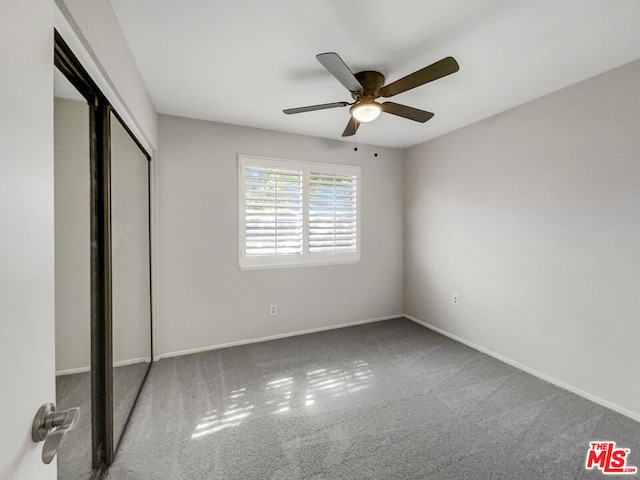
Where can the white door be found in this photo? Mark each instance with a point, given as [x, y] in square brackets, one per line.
[27, 325]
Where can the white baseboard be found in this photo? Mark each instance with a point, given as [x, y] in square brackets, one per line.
[124, 363]
[273, 337]
[559, 383]
[121, 363]
[71, 371]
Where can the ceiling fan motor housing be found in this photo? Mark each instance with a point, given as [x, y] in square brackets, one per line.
[371, 82]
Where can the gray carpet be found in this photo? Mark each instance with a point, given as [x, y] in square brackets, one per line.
[74, 456]
[127, 380]
[389, 400]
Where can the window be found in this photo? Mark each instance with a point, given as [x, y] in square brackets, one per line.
[297, 213]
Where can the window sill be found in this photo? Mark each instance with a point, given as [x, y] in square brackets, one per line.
[263, 263]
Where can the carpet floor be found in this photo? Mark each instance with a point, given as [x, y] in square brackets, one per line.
[387, 400]
[74, 390]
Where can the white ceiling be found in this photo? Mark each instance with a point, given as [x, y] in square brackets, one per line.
[244, 61]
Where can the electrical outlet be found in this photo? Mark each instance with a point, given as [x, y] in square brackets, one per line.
[273, 310]
[456, 299]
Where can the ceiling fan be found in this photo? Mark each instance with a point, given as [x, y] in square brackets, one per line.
[367, 86]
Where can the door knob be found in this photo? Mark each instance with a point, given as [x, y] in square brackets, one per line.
[51, 426]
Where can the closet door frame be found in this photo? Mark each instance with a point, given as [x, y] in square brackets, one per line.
[104, 445]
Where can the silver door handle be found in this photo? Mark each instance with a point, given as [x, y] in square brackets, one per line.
[52, 426]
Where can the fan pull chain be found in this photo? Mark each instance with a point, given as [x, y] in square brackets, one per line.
[375, 137]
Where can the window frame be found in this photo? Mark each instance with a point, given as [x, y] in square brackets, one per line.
[305, 259]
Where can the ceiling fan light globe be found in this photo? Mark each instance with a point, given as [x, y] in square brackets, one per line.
[366, 112]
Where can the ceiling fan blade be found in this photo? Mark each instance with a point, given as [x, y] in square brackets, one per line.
[406, 112]
[437, 70]
[312, 108]
[352, 127]
[332, 62]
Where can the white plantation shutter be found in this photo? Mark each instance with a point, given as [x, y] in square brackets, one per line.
[297, 213]
[332, 213]
[273, 211]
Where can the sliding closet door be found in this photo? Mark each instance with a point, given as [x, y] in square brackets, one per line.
[130, 264]
[116, 323]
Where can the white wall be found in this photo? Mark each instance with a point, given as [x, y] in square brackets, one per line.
[73, 231]
[533, 218]
[26, 232]
[204, 299]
